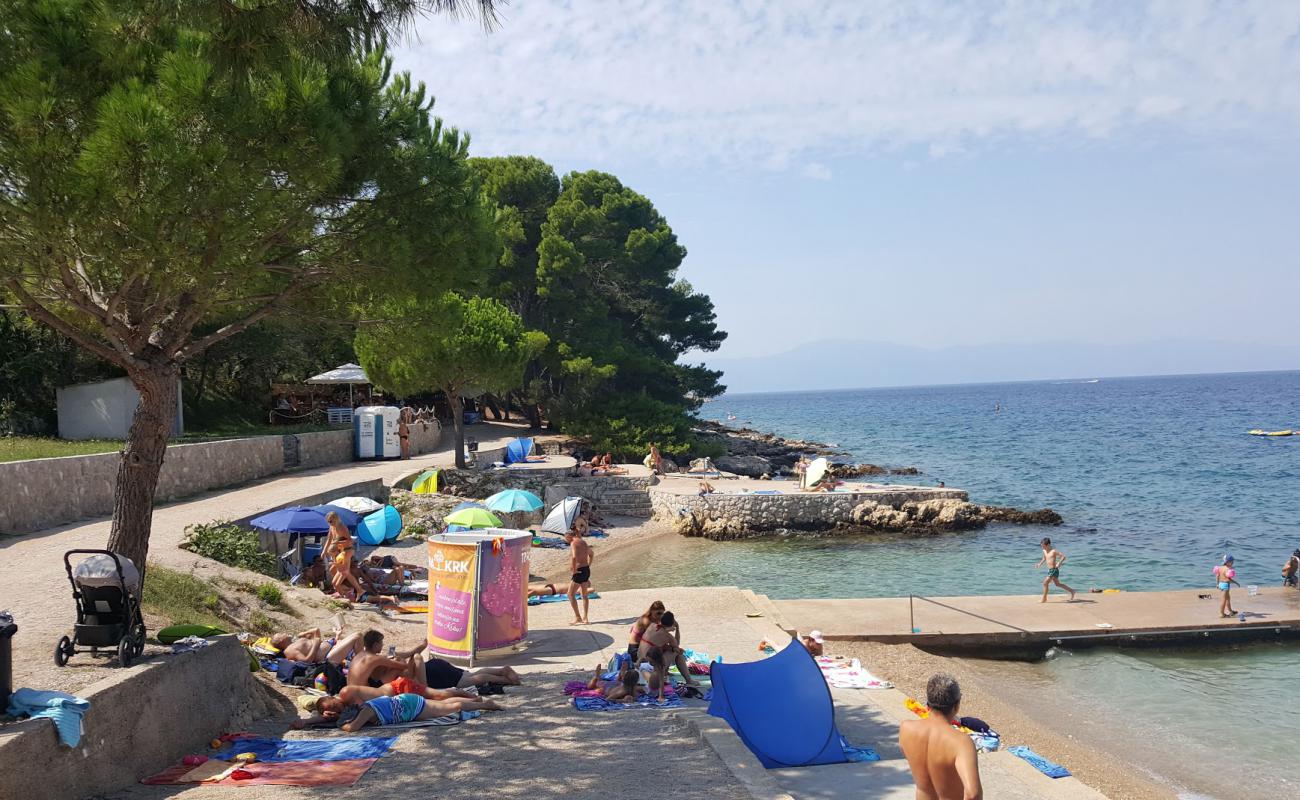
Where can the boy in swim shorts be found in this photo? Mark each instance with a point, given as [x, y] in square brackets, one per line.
[1053, 558]
[580, 558]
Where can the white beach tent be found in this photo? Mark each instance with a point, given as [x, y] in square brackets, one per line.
[816, 470]
[351, 374]
[562, 517]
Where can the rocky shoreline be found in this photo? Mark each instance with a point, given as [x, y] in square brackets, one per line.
[754, 454]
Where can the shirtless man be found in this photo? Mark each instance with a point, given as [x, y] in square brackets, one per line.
[941, 757]
[1053, 558]
[580, 557]
[371, 667]
[665, 636]
[313, 648]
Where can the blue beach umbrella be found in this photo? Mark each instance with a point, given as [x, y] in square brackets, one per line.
[348, 517]
[512, 500]
[294, 519]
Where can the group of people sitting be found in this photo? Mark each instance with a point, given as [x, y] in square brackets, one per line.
[599, 465]
[654, 647]
[399, 688]
[337, 570]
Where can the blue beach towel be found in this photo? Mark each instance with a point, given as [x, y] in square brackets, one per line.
[1049, 768]
[550, 544]
[860, 753]
[601, 704]
[595, 534]
[331, 749]
[557, 598]
[64, 711]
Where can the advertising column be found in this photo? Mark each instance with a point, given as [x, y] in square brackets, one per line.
[452, 571]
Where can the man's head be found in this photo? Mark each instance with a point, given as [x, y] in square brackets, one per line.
[280, 641]
[668, 620]
[1046, 543]
[372, 641]
[943, 695]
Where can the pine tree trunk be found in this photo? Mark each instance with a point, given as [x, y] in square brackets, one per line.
[534, 413]
[142, 458]
[458, 426]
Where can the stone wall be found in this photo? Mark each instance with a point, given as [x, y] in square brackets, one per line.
[735, 515]
[141, 720]
[41, 493]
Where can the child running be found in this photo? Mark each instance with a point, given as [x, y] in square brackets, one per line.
[580, 558]
[1053, 558]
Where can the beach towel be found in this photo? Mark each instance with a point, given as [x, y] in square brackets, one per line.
[1049, 768]
[330, 749]
[64, 710]
[550, 544]
[406, 608]
[860, 753]
[646, 701]
[557, 598]
[840, 675]
[986, 740]
[284, 773]
[595, 534]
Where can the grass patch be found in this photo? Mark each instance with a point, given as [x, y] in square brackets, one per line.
[270, 594]
[260, 623]
[20, 448]
[181, 598]
[230, 544]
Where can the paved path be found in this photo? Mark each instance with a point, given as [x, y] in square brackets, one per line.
[1010, 624]
[34, 584]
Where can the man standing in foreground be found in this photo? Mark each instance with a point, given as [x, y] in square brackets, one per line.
[941, 757]
[580, 558]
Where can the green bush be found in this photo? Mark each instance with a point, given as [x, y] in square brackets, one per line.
[269, 593]
[230, 544]
[180, 598]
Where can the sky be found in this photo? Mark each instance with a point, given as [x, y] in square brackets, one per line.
[934, 174]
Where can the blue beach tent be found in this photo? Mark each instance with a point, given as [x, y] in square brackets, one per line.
[380, 526]
[793, 727]
[518, 450]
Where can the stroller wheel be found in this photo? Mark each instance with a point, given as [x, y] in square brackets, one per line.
[125, 651]
[138, 635]
[62, 651]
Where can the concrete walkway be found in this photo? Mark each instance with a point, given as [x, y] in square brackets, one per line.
[1013, 624]
[34, 585]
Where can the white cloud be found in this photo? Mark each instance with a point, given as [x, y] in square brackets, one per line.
[740, 82]
[817, 171]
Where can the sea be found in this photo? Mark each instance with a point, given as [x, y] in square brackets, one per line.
[1156, 478]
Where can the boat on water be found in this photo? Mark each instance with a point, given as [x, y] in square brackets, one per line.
[1259, 432]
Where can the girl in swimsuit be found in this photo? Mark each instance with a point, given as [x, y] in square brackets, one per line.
[637, 632]
[1226, 576]
[338, 552]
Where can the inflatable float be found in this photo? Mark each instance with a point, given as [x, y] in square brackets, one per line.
[1258, 432]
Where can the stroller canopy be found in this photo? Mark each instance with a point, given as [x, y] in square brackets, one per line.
[100, 570]
[562, 517]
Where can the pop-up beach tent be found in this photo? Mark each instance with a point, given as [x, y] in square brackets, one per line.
[562, 517]
[518, 450]
[790, 727]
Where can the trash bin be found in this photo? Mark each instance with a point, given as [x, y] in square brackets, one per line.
[7, 631]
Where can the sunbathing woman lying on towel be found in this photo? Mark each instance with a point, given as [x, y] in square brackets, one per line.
[396, 710]
[624, 690]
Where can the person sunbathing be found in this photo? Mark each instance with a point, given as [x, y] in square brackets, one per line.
[313, 648]
[357, 695]
[542, 590]
[705, 488]
[827, 485]
[385, 710]
[440, 673]
[371, 667]
[626, 689]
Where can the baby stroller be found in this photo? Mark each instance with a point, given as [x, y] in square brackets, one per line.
[106, 587]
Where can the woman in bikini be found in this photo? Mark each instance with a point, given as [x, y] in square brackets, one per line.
[338, 553]
[664, 638]
[637, 632]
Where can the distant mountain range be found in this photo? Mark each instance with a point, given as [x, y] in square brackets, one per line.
[849, 364]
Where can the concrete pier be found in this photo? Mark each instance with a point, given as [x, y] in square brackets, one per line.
[1022, 628]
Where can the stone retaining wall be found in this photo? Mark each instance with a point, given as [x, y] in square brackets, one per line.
[41, 493]
[141, 720]
[595, 489]
[765, 513]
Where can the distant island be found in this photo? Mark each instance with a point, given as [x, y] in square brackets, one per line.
[858, 364]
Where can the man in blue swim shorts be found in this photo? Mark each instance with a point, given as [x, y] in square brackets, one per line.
[404, 708]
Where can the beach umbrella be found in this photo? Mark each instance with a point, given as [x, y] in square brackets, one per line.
[473, 518]
[294, 519]
[562, 517]
[351, 374]
[348, 517]
[426, 482]
[359, 505]
[382, 526]
[816, 470]
[512, 500]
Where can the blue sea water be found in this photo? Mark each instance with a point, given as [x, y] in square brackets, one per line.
[1156, 478]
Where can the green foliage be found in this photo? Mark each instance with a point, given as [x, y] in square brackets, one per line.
[34, 362]
[230, 544]
[260, 623]
[269, 593]
[524, 188]
[18, 448]
[180, 598]
[626, 426]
